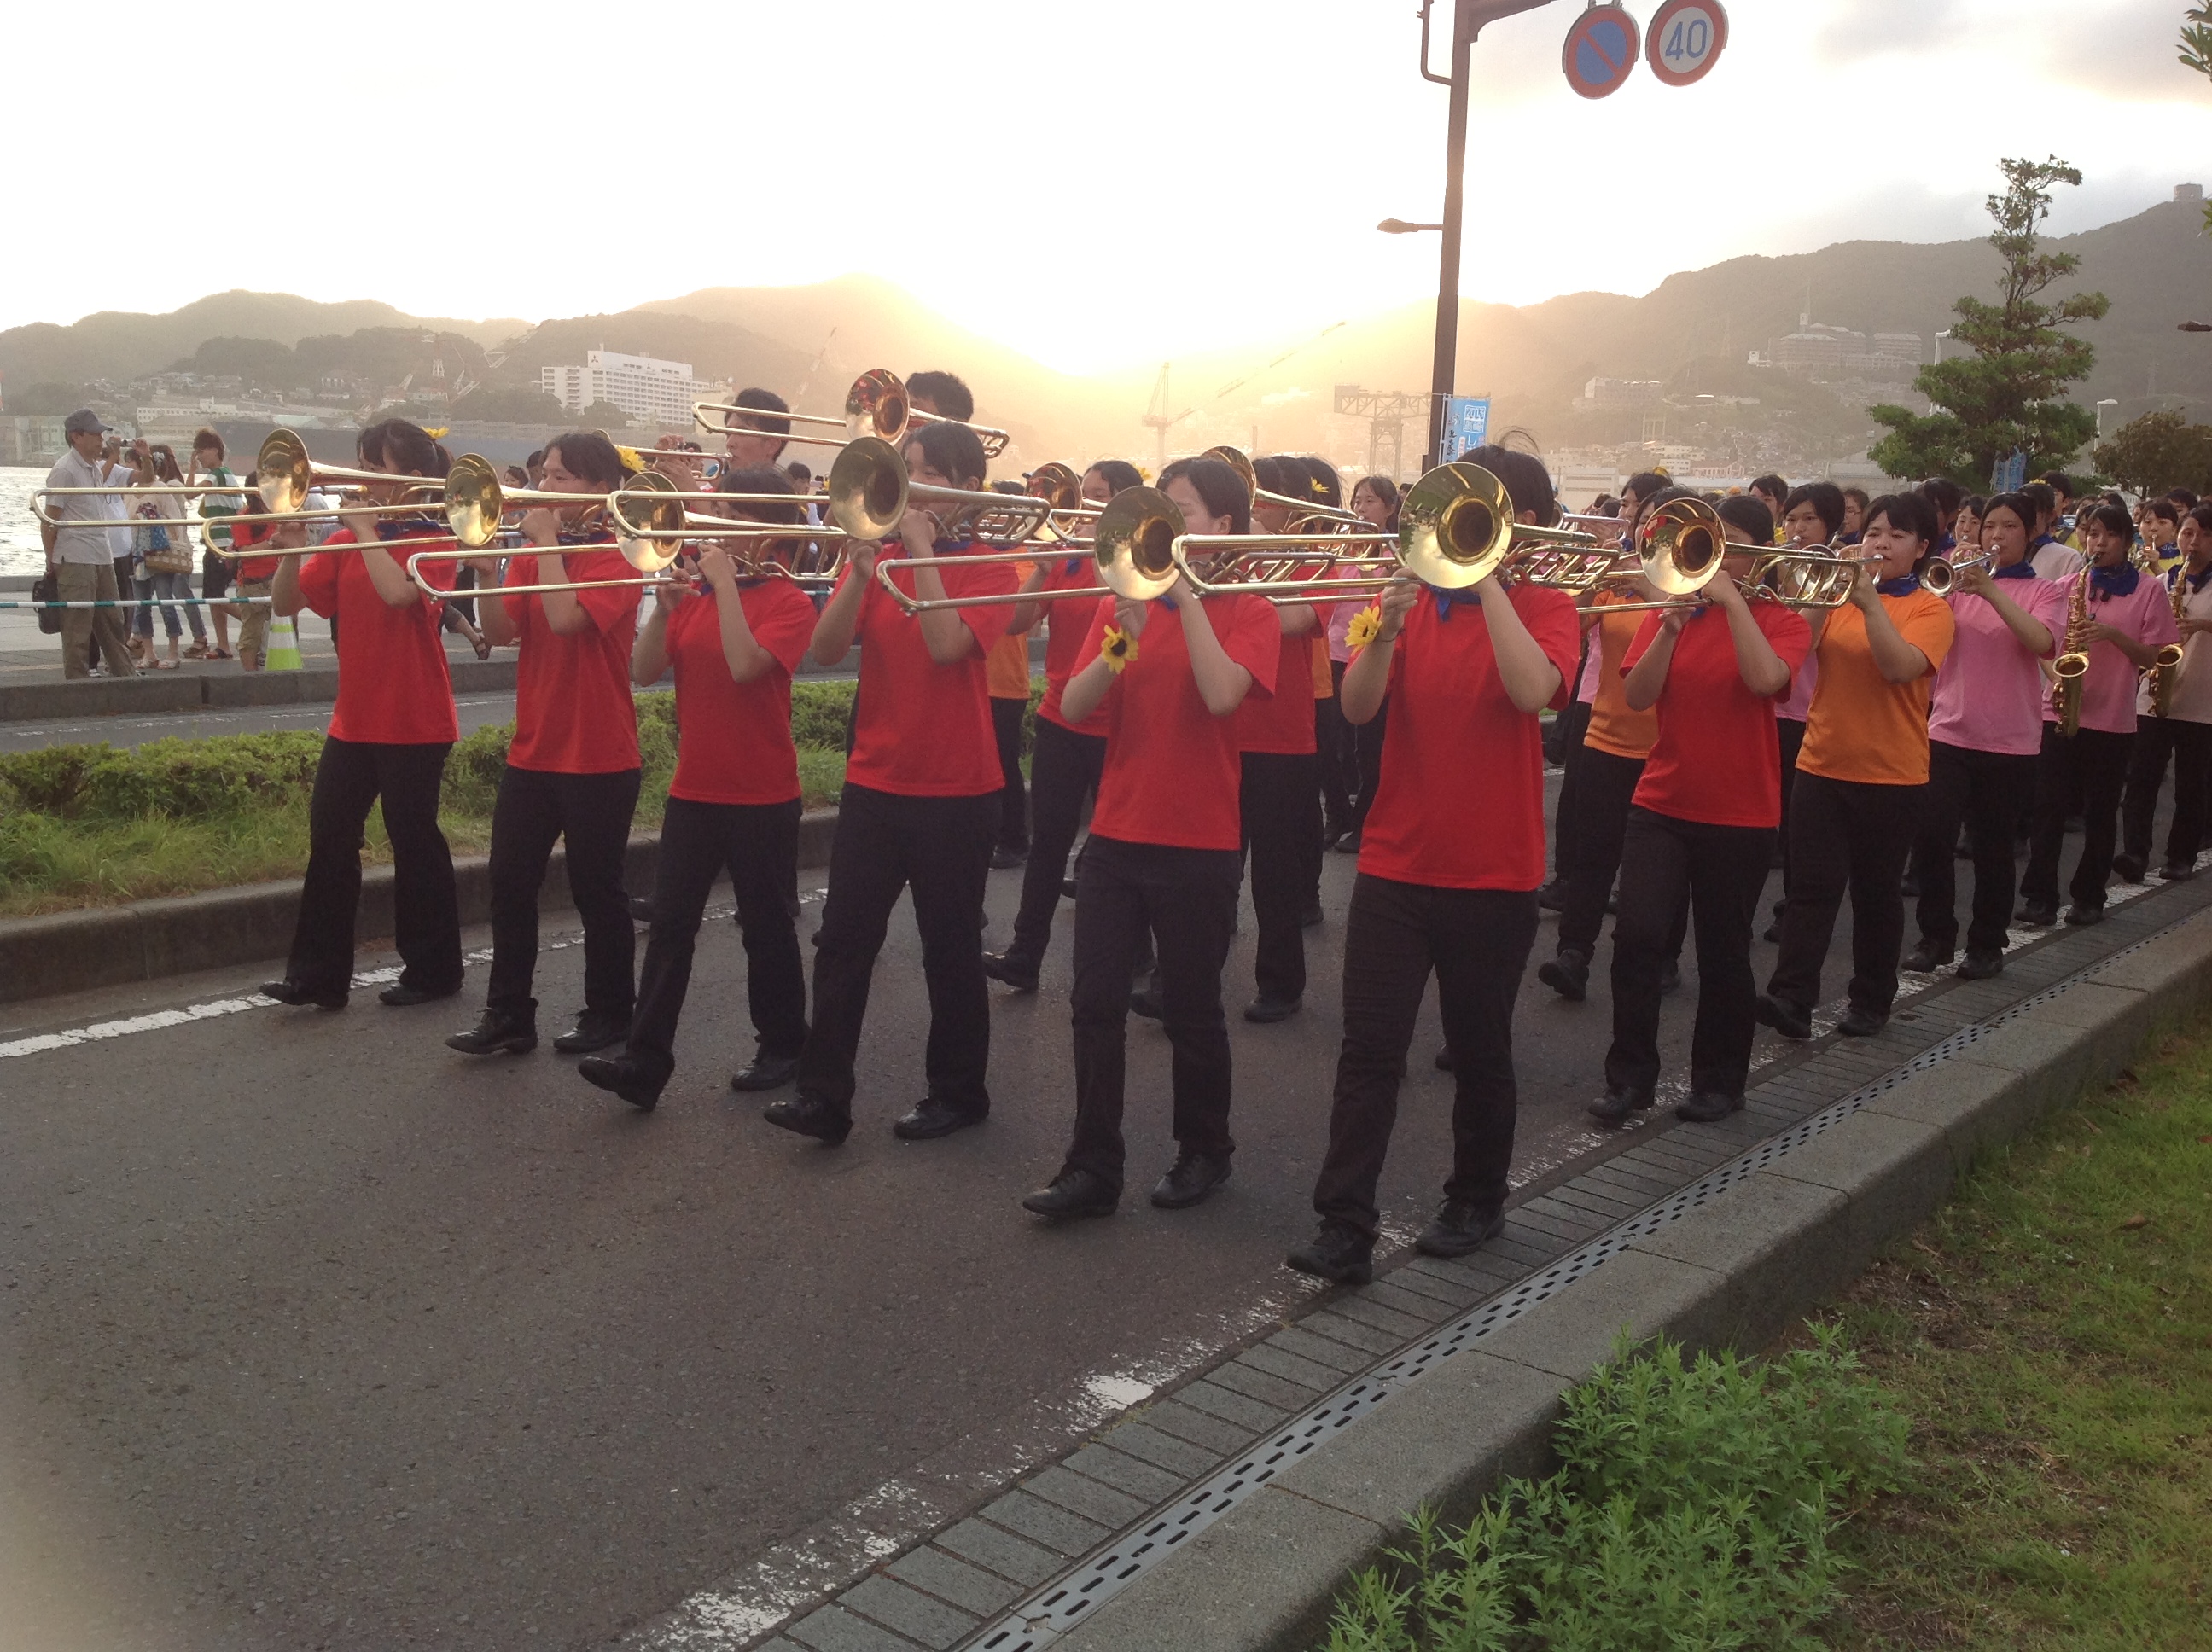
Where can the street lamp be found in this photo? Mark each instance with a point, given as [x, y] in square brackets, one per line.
[1400, 227]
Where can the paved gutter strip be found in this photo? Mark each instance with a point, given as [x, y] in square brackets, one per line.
[1730, 1233]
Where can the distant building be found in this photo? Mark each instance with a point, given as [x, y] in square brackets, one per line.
[2193, 194]
[654, 391]
[1620, 393]
[1829, 354]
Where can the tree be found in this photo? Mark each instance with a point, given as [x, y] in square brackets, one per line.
[2157, 451]
[2004, 397]
[602, 416]
[2196, 54]
[509, 405]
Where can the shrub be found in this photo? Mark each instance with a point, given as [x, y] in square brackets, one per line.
[171, 779]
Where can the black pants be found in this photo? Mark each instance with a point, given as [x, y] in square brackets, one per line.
[1476, 943]
[1013, 802]
[592, 813]
[1337, 745]
[2091, 766]
[2190, 746]
[1367, 749]
[758, 843]
[939, 847]
[1846, 834]
[1590, 849]
[1566, 740]
[1187, 898]
[1718, 872]
[1789, 735]
[1064, 770]
[1282, 828]
[351, 777]
[1983, 789]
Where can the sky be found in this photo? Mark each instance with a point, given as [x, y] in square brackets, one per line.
[1097, 186]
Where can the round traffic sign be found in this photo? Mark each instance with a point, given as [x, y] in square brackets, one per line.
[1685, 39]
[1600, 51]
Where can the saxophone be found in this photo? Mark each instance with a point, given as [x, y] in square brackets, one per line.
[2165, 669]
[2071, 668]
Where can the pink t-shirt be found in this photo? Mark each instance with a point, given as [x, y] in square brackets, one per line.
[1800, 702]
[1989, 695]
[1343, 613]
[2146, 613]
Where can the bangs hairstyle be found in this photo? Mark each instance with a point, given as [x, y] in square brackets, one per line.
[1119, 474]
[1384, 489]
[2018, 503]
[954, 451]
[2061, 485]
[1943, 492]
[2045, 496]
[759, 480]
[1827, 500]
[2165, 509]
[1751, 515]
[945, 391]
[2113, 518]
[770, 404]
[1525, 478]
[203, 440]
[1910, 512]
[406, 448]
[1220, 487]
[2201, 515]
[590, 454]
[1770, 484]
[1645, 484]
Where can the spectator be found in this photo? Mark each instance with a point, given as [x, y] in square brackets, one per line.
[214, 571]
[1855, 510]
[164, 561]
[78, 552]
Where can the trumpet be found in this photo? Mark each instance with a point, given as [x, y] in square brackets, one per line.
[1940, 573]
[877, 405]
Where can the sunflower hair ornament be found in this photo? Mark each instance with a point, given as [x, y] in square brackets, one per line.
[1118, 649]
[1366, 625]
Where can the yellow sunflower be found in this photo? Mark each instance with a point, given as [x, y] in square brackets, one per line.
[1118, 649]
[1363, 627]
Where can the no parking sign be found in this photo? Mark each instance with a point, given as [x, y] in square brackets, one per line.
[1686, 40]
[1600, 51]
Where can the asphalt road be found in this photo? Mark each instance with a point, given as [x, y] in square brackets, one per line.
[320, 1335]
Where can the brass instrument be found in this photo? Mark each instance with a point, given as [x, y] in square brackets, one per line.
[1060, 486]
[1940, 573]
[2072, 665]
[2166, 669]
[1305, 512]
[877, 405]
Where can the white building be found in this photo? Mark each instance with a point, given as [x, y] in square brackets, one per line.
[654, 391]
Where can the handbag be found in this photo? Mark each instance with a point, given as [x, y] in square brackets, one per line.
[48, 588]
[164, 554]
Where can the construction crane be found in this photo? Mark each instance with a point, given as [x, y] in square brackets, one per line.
[1159, 420]
[1386, 413]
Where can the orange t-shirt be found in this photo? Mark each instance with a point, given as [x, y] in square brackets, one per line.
[1324, 679]
[1613, 727]
[1861, 726]
[1007, 667]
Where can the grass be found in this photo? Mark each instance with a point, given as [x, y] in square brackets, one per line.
[2051, 1333]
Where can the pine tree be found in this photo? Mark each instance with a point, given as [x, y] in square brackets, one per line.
[2005, 396]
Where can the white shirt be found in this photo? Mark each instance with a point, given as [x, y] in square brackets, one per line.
[2057, 563]
[2192, 695]
[84, 544]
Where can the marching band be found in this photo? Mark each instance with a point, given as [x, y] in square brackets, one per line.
[1773, 678]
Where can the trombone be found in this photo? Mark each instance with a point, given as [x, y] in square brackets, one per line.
[877, 405]
[1305, 512]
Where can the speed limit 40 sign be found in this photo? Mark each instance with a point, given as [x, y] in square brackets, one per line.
[1685, 39]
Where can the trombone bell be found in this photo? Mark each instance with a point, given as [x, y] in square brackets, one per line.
[1456, 527]
[1134, 543]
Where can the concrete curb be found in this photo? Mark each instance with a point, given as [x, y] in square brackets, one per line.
[1736, 1271]
[146, 940]
[161, 691]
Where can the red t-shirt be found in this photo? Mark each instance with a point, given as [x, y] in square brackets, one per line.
[1172, 776]
[734, 739]
[1461, 804]
[1715, 758]
[1068, 623]
[244, 537]
[923, 730]
[393, 686]
[1283, 721]
[573, 711]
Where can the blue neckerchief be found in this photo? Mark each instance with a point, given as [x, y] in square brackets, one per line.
[1447, 599]
[1949, 543]
[1904, 587]
[407, 527]
[1070, 567]
[1166, 602]
[2197, 580]
[2022, 569]
[2040, 541]
[2114, 581]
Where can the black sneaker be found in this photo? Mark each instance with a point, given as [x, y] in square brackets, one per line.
[1925, 959]
[2082, 913]
[1773, 933]
[1004, 859]
[1311, 917]
[1340, 1253]
[1670, 976]
[2129, 868]
[1074, 1193]
[1460, 1227]
[764, 1072]
[2177, 872]
[1709, 1107]
[1348, 844]
[1909, 887]
[1144, 1003]
[1858, 1023]
[595, 1030]
[622, 1075]
[1618, 1103]
[2038, 915]
[1445, 1062]
[1266, 1011]
[1979, 966]
[1783, 1017]
[1009, 970]
[931, 1118]
[1552, 897]
[1190, 1178]
[497, 1033]
[809, 1115]
[404, 995]
[1567, 975]
[299, 995]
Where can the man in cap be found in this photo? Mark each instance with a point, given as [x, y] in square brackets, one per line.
[78, 552]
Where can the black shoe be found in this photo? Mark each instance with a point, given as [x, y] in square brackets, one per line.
[1552, 897]
[1311, 917]
[809, 1115]
[1618, 1103]
[1567, 975]
[595, 1030]
[1909, 887]
[1444, 1063]
[1348, 844]
[1925, 959]
[764, 1072]
[641, 909]
[1859, 1022]
[1783, 1017]
[1009, 971]
[289, 991]
[2038, 915]
[1143, 1003]
[1067, 888]
[625, 1075]
[1459, 1227]
[1709, 1107]
[932, 1119]
[1003, 858]
[400, 995]
[2080, 913]
[1074, 1192]
[2129, 868]
[497, 1034]
[1268, 1010]
[1773, 933]
[1189, 1179]
[2177, 872]
[1339, 1253]
[1979, 966]
[1670, 975]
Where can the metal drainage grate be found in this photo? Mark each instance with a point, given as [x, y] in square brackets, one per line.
[1049, 1614]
